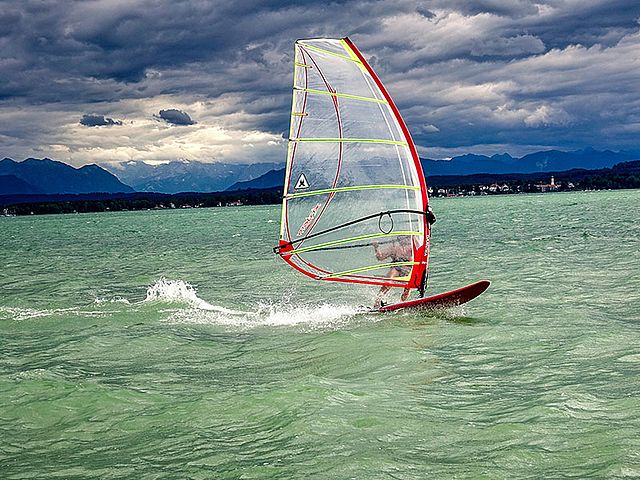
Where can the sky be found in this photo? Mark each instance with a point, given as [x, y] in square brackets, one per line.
[114, 81]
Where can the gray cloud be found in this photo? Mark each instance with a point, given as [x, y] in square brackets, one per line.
[93, 120]
[519, 45]
[175, 117]
[513, 8]
[485, 72]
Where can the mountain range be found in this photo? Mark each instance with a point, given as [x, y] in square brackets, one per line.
[187, 176]
[46, 176]
[543, 161]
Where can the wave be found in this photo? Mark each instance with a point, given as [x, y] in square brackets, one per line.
[181, 292]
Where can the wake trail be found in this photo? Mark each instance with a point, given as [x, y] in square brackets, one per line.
[274, 313]
[177, 301]
[279, 313]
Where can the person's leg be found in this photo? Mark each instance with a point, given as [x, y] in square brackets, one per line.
[405, 294]
[393, 273]
[383, 291]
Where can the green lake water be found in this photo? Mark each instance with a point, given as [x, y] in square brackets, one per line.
[175, 344]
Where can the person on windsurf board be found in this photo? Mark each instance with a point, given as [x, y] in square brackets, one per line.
[338, 202]
[400, 250]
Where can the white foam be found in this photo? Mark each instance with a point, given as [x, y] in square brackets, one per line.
[273, 314]
[454, 312]
[183, 305]
[286, 314]
[19, 314]
[179, 291]
[281, 313]
[101, 300]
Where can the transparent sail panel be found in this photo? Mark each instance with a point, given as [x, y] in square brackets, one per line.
[353, 196]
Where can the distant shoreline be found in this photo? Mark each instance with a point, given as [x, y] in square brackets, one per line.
[622, 176]
[142, 201]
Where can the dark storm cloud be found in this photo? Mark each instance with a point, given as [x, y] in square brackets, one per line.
[92, 120]
[122, 42]
[587, 22]
[175, 117]
[558, 23]
[508, 47]
[463, 72]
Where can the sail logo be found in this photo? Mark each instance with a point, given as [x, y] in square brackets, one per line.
[302, 182]
[309, 220]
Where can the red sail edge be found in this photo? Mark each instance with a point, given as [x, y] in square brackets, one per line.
[422, 254]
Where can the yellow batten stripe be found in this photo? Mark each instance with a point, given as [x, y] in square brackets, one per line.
[349, 240]
[351, 189]
[299, 114]
[328, 52]
[373, 267]
[342, 95]
[304, 65]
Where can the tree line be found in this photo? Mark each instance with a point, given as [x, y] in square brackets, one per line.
[51, 204]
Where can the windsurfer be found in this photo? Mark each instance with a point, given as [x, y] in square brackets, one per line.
[399, 251]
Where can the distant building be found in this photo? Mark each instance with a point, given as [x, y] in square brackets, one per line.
[548, 187]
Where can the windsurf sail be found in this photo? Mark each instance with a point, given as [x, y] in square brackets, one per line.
[355, 197]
